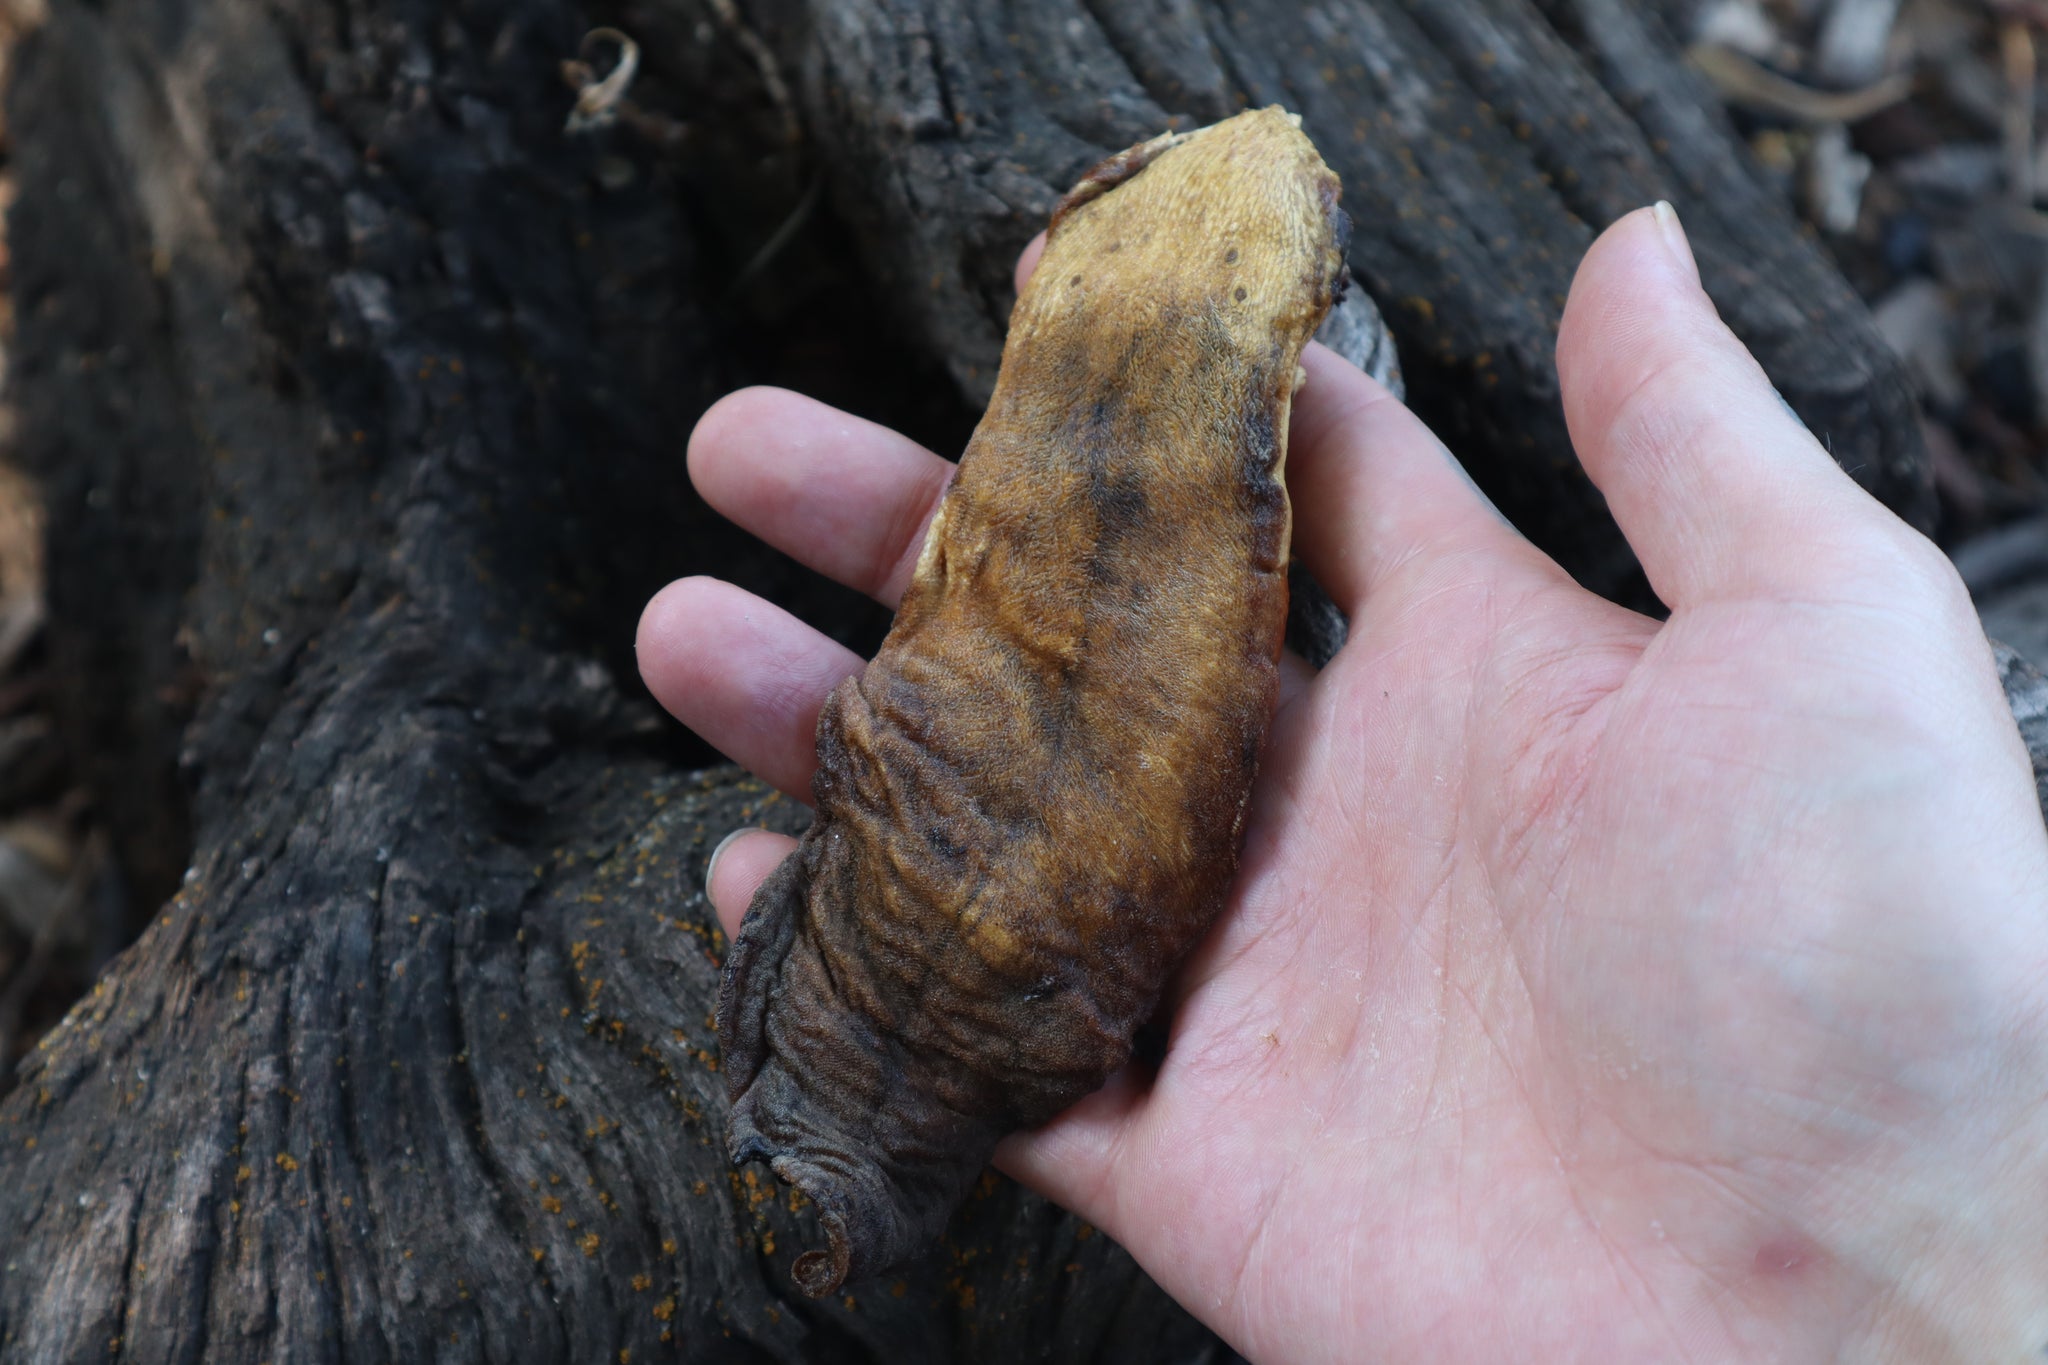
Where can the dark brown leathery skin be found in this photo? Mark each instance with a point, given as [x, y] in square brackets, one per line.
[1029, 806]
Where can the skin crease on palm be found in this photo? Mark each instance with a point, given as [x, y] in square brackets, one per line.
[1592, 988]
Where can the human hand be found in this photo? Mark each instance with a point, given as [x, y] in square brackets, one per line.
[1591, 988]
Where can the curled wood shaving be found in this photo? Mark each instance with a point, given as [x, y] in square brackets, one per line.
[597, 101]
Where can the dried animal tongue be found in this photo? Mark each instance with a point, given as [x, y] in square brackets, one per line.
[1030, 805]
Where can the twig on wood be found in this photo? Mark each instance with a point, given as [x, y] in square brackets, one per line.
[783, 235]
[1745, 81]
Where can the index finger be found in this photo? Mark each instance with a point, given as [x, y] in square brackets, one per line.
[835, 492]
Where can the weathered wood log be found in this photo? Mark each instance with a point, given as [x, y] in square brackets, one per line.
[1482, 144]
[360, 402]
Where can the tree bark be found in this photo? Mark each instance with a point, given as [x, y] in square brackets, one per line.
[359, 390]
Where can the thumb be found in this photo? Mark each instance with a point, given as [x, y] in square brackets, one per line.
[738, 866]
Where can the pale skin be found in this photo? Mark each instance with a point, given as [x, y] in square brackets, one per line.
[1592, 988]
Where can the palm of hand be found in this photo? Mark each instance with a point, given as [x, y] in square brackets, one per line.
[1491, 1032]
[1578, 972]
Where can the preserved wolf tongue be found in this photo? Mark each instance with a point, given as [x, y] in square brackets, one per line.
[1029, 806]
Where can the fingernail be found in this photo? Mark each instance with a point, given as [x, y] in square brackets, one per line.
[711, 867]
[1675, 239]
